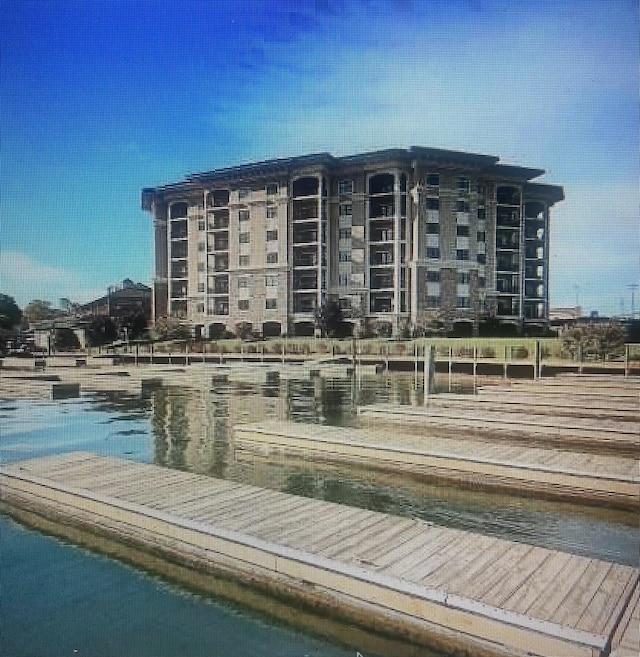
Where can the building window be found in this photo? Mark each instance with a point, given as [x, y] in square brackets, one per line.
[463, 302]
[272, 235]
[433, 252]
[432, 204]
[481, 236]
[271, 281]
[433, 229]
[462, 230]
[243, 238]
[464, 185]
[344, 256]
[482, 281]
[200, 308]
[433, 277]
[344, 233]
[271, 304]
[481, 258]
[243, 304]
[432, 301]
[200, 287]
[482, 213]
[271, 189]
[243, 192]
[272, 211]
[343, 280]
[243, 215]
[272, 258]
[462, 254]
[432, 180]
[201, 266]
[464, 277]
[243, 283]
[345, 187]
[244, 261]
[346, 209]
[201, 246]
[462, 206]
[201, 224]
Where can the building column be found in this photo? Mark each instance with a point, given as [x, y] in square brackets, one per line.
[416, 212]
[397, 230]
[320, 241]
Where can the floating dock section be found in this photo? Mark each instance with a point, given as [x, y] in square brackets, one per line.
[552, 473]
[441, 587]
[612, 436]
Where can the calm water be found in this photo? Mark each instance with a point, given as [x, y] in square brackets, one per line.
[97, 605]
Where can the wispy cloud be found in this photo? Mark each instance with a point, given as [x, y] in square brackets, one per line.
[25, 278]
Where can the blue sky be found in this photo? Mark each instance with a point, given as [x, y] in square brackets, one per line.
[101, 98]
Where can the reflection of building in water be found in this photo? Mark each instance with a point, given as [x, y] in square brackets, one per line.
[191, 426]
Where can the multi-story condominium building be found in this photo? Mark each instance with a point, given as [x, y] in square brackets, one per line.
[401, 237]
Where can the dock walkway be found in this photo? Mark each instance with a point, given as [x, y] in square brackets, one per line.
[612, 436]
[552, 473]
[442, 587]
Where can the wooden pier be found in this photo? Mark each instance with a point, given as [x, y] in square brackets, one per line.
[551, 473]
[611, 436]
[441, 587]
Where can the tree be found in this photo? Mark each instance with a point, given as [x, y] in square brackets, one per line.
[591, 340]
[65, 339]
[10, 313]
[135, 323]
[101, 331]
[169, 328]
[37, 310]
[329, 320]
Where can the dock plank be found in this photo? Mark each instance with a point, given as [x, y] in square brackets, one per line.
[432, 581]
[524, 469]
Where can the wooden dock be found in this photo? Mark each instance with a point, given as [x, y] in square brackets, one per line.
[611, 436]
[440, 587]
[551, 473]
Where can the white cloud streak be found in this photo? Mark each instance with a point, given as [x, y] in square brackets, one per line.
[25, 278]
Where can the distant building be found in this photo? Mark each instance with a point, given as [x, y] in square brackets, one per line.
[120, 301]
[565, 314]
[401, 238]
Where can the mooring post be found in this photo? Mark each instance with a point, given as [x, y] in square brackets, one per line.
[579, 358]
[536, 361]
[429, 366]
[626, 360]
[475, 368]
[506, 361]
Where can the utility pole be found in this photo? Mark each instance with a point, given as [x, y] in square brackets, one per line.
[633, 287]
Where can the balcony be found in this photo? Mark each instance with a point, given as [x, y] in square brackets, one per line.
[382, 235]
[221, 264]
[381, 208]
[381, 282]
[219, 220]
[381, 303]
[179, 251]
[380, 257]
[508, 217]
[305, 237]
[504, 264]
[305, 260]
[305, 283]
[305, 210]
[304, 303]
[179, 270]
[218, 198]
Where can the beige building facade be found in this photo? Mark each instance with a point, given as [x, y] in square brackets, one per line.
[401, 238]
